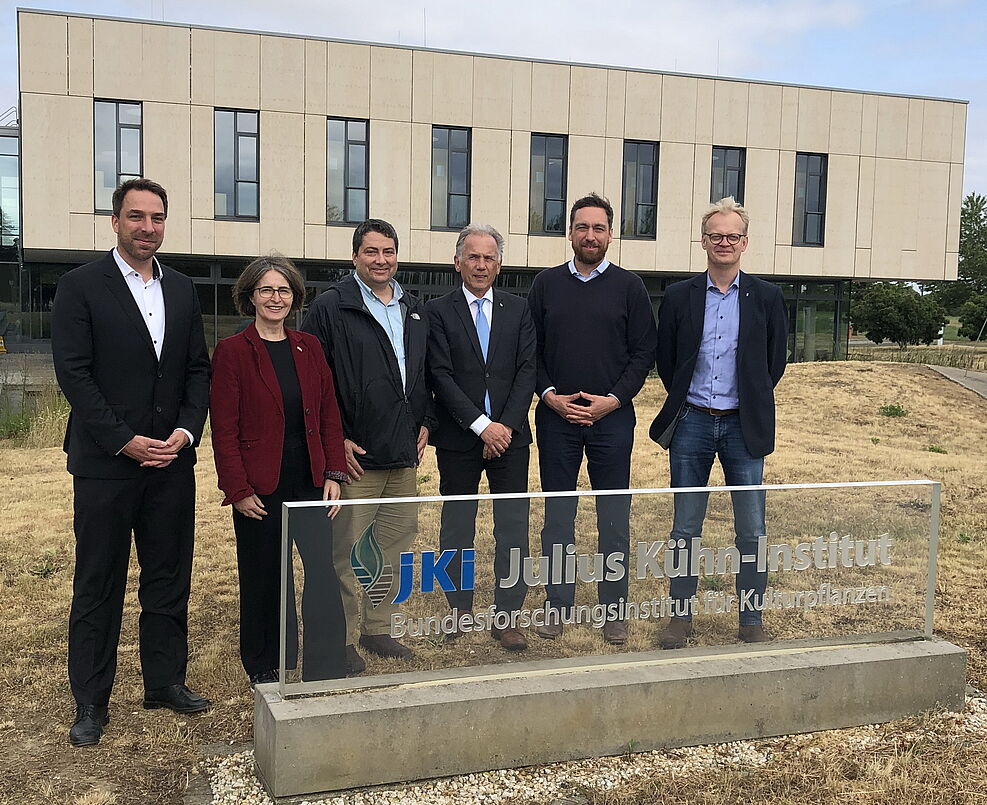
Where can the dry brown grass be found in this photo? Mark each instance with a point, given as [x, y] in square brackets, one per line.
[829, 430]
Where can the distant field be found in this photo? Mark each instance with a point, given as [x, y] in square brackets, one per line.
[829, 429]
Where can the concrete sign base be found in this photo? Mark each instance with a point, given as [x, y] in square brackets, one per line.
[403, 727]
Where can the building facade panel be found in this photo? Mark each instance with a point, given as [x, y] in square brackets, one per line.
[642, 105]
[167, 134]
[490, 191]
[550, 98]
[731, 104]
[348, 81]
[814, 116]
[316, 77]
[282, 74]
[45, 38]
[764, 116]
[587, 86]
[845, 123]
[678, 109]
[616, 99]
[236, 71]
[314, 187]
[842, 191]
[390, 84]
[80, 43]
[492, 93]
[762, 203]
[282, 168]
[452, 90]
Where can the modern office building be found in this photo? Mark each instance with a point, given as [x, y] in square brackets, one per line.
[273, 142]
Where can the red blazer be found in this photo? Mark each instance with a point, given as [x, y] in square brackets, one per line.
[247, 413]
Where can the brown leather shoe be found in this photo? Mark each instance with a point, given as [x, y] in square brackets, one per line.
[615, 633]
[510, 639]
[675, 633]
[549, 631]
[383, 645]
[754, 634]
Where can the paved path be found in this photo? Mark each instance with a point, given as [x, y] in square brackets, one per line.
[975, 381]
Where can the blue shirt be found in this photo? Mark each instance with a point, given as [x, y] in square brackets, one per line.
[714, 382]
[594, 273]
[389, 317]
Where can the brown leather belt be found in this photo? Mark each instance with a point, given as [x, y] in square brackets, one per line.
[714, 411]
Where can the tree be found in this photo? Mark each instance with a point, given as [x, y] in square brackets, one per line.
[972, 270]
[891, 311]
[973, 315]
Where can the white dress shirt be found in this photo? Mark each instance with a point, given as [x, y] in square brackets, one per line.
[150, 302]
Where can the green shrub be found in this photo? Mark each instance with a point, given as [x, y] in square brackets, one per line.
[892, 410]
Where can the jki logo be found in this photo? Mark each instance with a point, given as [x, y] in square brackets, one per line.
[375, 574]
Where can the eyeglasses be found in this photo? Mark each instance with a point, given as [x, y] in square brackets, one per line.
[715, 237]
[267, 292]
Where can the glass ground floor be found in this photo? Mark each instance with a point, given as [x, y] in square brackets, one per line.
[817, 309]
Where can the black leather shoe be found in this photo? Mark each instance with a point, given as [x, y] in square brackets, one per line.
[384, 645]
[89, 722]
[354, 662]
[175, 697]
[264, 677]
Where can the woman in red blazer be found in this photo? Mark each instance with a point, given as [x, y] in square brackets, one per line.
[277, 437]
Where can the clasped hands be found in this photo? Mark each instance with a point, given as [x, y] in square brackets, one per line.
[153, 452]
[565, 405]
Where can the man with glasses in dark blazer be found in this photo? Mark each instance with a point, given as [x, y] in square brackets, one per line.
[722, 347]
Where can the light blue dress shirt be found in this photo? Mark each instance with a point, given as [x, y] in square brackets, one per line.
[389, 317]
[594, 273]
[714, 382]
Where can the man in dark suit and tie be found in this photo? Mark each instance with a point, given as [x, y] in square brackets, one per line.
[131, 359]
[481, 361]
[722, 347]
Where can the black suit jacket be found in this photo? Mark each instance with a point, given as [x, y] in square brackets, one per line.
[460, 377]
[762, 349]
[107, 369]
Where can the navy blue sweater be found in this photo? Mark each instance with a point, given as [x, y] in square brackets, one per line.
[597, 336]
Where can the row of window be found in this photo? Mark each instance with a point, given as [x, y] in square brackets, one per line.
[237, 174]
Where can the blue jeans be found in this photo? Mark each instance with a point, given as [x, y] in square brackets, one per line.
[699, 438]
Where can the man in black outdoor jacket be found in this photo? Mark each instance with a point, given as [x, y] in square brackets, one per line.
[375, 336]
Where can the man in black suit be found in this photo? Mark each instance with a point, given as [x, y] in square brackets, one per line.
[131, 359]
[481, 361]
[722, 346]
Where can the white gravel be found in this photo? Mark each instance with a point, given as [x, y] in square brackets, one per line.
[233, 781]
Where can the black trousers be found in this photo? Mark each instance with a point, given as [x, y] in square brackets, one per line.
[158, 508]
[607, 444]
[258, 553]
[459, 474]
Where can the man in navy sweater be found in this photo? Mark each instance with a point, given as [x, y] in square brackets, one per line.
[596, 343]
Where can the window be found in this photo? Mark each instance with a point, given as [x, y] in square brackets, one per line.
[237, 164]
[809, 226]
[546, 199]
[118, 153]
[640, 196]
[728, 174]
[347, 170]
[450, 177]
[9, 194]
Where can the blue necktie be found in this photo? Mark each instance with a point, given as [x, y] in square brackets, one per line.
[483, 333]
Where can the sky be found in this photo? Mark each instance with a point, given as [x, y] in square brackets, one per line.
[925, 47]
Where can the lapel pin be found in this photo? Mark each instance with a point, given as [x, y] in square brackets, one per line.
[299, 349]
[415, 316]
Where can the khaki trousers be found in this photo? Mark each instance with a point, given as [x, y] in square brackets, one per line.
[395, 527]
